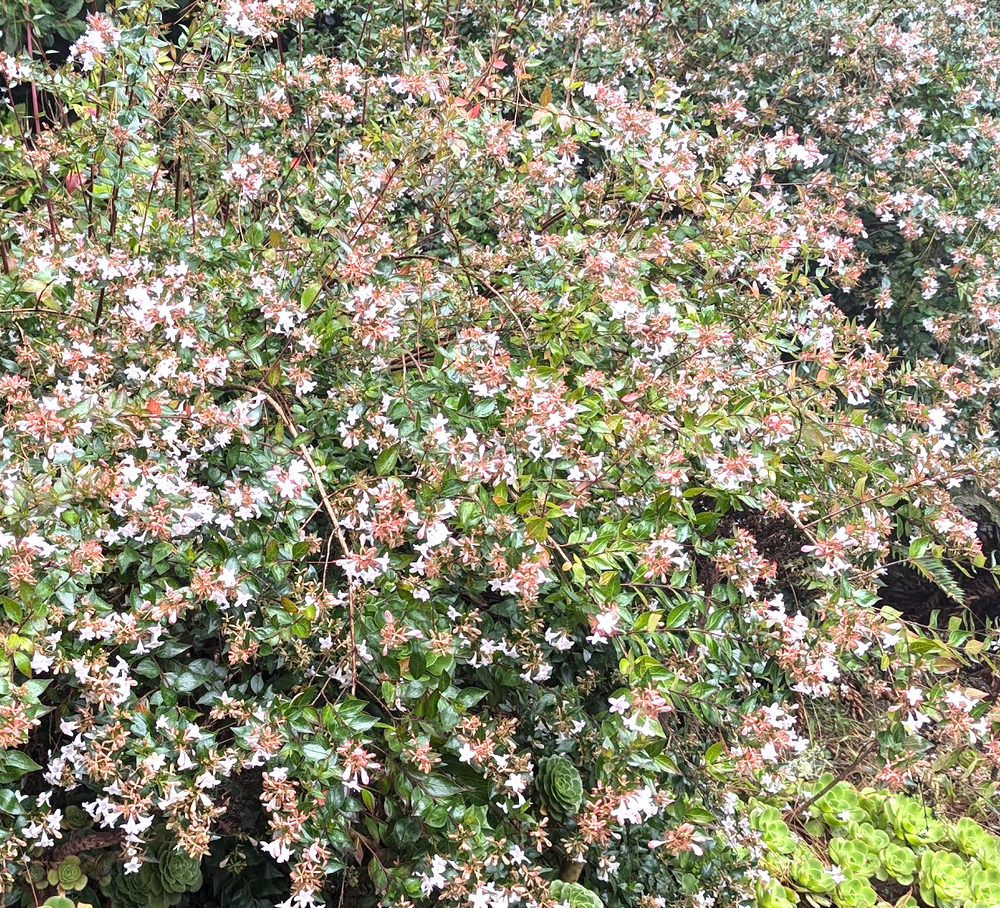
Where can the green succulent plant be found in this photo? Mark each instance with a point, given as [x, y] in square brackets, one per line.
[872, 801]
[853, 857]
[944, 878]
[68, 876]
[141, 890]
[808, 871]
[77, 818]
[913, 822]
[855, 893]
[840, 805]
[985, 888]
[990, 857]
[560, 786]
[58, 901]
[575, 895]
[899, 863]
[875, 840]
[975, 841]
[773, 895]
[772, 828]
[38, 874]
[102, 868]
[178, 871]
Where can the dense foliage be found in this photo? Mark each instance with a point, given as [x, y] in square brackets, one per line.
[452, 454]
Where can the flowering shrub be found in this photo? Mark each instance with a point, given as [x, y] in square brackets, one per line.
[435, 468]
[902, 99]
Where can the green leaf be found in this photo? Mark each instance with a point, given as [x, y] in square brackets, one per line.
[418, 663]
[317, 753]
[537, 528]
[309, 295]
[9, 803]
[186, 682]
[386, 461]
[378, 875]
[678, 615]
[14, 764]
[12, 609]
[714, 752]
[22, 663]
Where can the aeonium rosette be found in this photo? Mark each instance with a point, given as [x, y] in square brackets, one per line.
[560, 786]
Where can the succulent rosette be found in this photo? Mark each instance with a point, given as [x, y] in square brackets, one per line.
[975, 841]
[809, 873]
[68, 876]
[575, 895]
[944, 878]
[853, 857]
[985, 888]
[855, 893]
[773, 895]
[178, 871]
[898, 862]
[872, 801]
[776, 835]
[840, 805]
[103, 867]
[77, 818]
[912, 822]
[58, 901]
[875, 840]
[38, 875]
[141, 890]
[560, 786]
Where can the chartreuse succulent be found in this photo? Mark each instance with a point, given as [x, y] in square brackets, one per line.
[898, 863]
[773, 829]
[875, 840]
[976, 842]
[913, 822]
[560, 786]
[872, 802]
[773, 894]
[853, 857]
[840, 804]
[855, 892]
[59, 901]
[575, 895]
[777, 838]
[984, 886]
[953, 865]
[944, 878]
[68, 875]
[808, 872]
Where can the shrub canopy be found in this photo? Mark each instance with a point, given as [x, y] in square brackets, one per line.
[451, 453]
